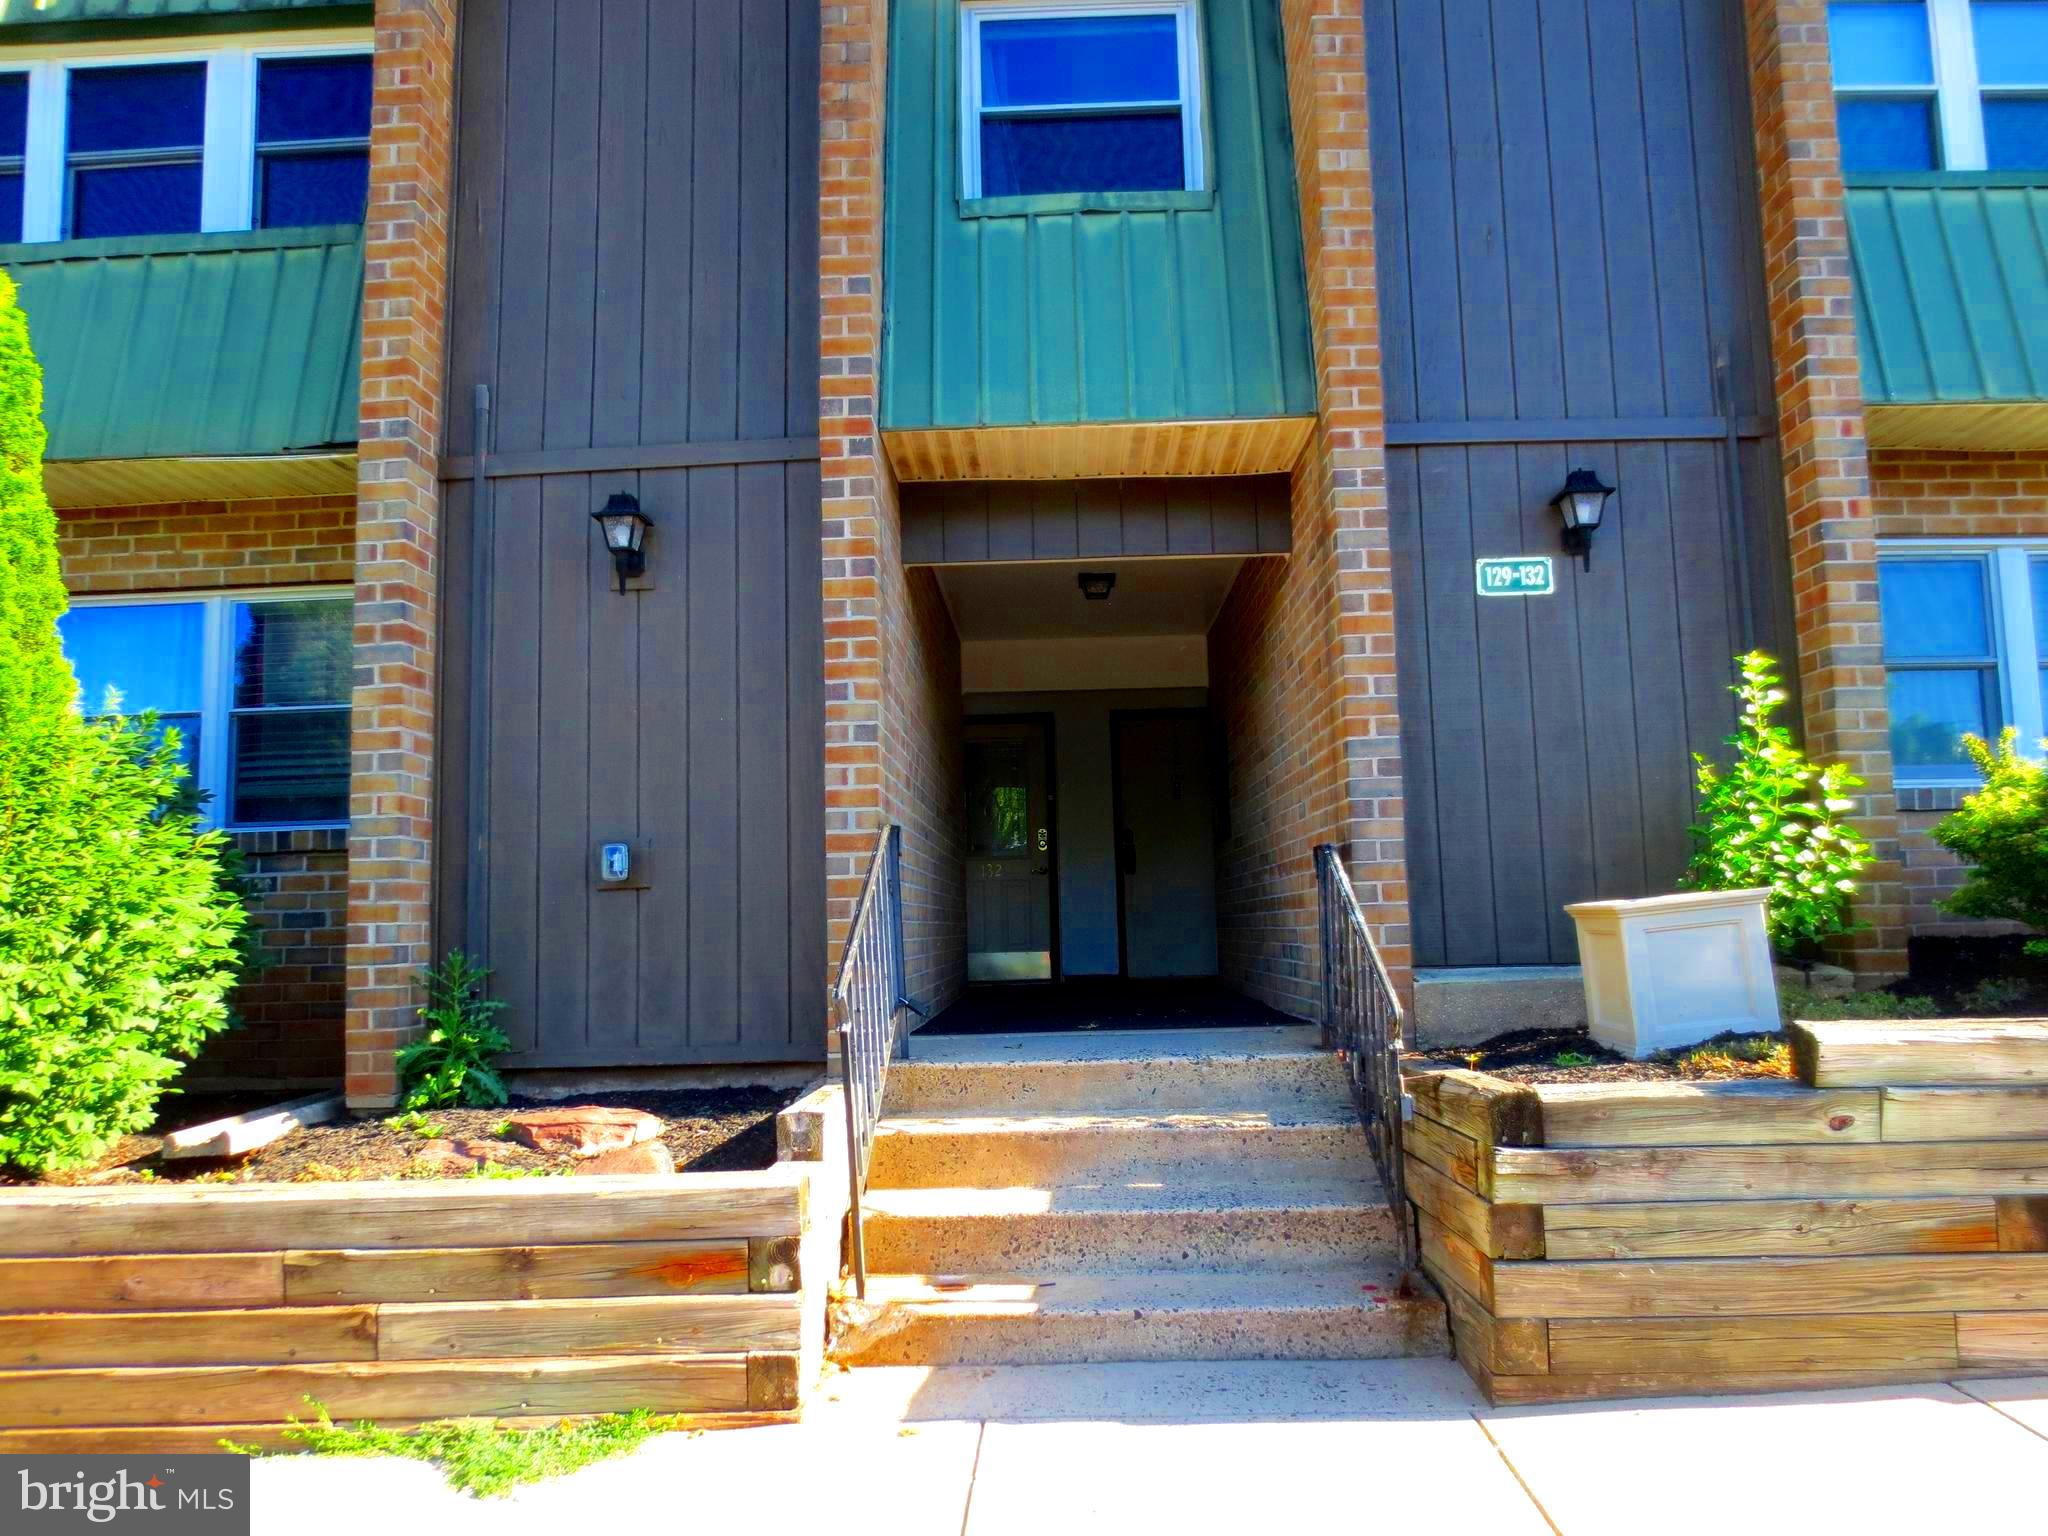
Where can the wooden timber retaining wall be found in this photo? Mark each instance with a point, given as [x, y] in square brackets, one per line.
[1883, 1220]
[165, 1318]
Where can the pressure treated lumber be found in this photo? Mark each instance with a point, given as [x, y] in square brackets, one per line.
[1931, 1282]
[1498, 1231]
[1851, 1053]
[1549, 1176]
[1510, 1346]
[2023, 1224]
[1451, 1153]
[619, 1325]
[1690, 1229]
[238, 1336]
[2003, 1340]
[1492, 1112]
[1701, 1114]
[142, 1282]
[1714, 1346]
[226, 1394]
[717, 1267]
[1965, 1114]
[1445, 1251]
[1559, 1387]
[237, 1135]
[399, 1214]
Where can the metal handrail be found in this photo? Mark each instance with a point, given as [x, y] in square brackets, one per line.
[1362, 1021]
[866, 1000]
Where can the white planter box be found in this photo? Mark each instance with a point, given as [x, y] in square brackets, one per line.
[1670, 971]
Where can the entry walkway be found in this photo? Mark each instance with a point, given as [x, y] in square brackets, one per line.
[1392, 1446]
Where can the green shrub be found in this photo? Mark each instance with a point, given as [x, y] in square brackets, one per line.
[118, 941]
[1774, 819]
[450, 1064]
[2001, 832]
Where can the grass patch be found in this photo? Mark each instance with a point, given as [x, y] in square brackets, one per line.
[481, 1457]
[1801, 1003]
[1742, 1056]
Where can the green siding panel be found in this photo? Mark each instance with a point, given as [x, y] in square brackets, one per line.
[67, 13]
[1950, 273]
[196, 346]
[1138, 312]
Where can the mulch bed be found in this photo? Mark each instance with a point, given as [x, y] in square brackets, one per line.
[708, 1130]
[1531, 1056]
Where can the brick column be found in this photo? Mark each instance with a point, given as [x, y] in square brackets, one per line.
[405, 250]
[1345, 495]
[1832, 532]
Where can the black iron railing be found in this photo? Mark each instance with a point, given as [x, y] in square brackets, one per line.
[1362, 1021]
[867, 1000]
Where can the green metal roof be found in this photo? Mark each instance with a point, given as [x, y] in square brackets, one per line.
[63, 13]
[196, 345]
[1951, 288]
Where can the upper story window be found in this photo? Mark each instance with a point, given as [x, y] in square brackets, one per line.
[221, 138]
[1100, 97]
[256, 685]
[1965, 650]
[1929, 85]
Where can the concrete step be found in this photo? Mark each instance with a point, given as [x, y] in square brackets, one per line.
[1056, 1147]
[1155, 1070]
[1355, 1314]
[1111, 1227]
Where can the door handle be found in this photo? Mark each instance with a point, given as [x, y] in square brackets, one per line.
[1041, 869]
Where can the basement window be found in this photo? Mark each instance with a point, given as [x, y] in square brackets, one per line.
[1079, 98]
[1930, 85]
[1965, 651]
[256, 685]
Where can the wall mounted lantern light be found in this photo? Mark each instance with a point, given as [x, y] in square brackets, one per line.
[1097, 585]
[625, 535]
[1581, 505]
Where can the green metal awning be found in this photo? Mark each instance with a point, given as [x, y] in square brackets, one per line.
[175, 14]
[196, 346]
[1951, 285]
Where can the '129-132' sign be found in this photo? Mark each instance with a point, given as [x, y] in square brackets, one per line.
[1517, 576]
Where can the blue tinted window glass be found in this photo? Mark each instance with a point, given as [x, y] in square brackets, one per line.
[1930, 712]
[1116, 152]
[135, 200]
[288, 655]
[317, 98]
[13, 114]
[1880, 43]
[150, 106]
[1070, 60]
[152, 652]
[290, 767]
[2012, 41]
[10, 207]
[1934, 609]
[327, 187]
[2016, 133]
[1886, 133]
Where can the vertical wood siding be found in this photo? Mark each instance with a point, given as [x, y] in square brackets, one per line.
[635, 280]
[1568, 236]
[1099, 316]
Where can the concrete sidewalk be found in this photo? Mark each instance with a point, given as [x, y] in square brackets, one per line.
[1376, 1447]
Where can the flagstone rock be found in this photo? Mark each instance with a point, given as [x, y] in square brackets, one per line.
[583, 1130]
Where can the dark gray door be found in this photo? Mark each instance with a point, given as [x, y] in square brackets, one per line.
[1166, 835]
[635, 281]
[1009, 852]
[1570, 276]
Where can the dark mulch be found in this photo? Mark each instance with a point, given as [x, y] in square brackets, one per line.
[1533, 1056]
[707, 1130]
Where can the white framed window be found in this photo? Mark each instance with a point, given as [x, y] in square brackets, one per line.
[1096, 96]
[1965, 649]
[255, 682]
[170, 139]
[1931, 85]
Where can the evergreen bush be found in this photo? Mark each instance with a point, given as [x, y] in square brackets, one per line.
[2001, 832]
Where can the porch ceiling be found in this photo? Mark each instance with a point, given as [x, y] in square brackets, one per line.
[1041, 600]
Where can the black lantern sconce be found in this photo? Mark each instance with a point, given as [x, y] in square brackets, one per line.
[1581, 504]
[625, 535]
[1097, 585]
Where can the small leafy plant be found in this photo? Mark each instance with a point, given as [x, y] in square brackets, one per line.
[450, 1064]
[2001, 832]
[1773, 818]
[417, 1123]
[1572, 1059]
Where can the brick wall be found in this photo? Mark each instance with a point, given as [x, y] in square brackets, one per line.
[405, 282]
[1832, 532]
[291, 1012]
[1930, 494]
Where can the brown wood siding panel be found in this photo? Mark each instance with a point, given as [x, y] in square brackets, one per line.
[963, 522]
[635, 269]
[1568, 237]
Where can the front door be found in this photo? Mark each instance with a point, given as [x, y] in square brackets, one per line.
[1009, 852]
[1166, 843]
